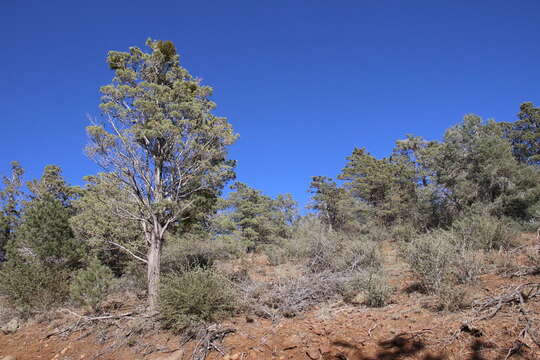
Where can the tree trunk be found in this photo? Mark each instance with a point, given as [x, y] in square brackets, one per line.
[154, 262]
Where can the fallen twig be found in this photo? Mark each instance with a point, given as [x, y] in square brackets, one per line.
[371, 329]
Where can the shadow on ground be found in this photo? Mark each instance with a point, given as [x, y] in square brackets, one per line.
[403, 347]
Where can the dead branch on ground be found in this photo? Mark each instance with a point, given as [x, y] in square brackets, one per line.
[210, 339]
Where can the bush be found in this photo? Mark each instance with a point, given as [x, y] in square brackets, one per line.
[306, 231]
[451, 297]
[440, 265]
[373, 286]
[90, 285]
[290, 296]
[468, 266]
[187, 254]
[326, 250]
[275, 254]
[477, 231]
[357, 255]
[431, 257]
[192, 252]
[403, 232]
[193, 298]
[377, 290]
[33, 287]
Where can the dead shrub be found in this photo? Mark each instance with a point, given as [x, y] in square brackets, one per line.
[287, 297]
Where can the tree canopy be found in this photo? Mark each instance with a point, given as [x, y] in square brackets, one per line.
[160, 142]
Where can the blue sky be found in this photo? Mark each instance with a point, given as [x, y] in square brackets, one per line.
[303, 82]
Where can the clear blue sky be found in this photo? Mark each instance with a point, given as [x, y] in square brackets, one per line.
[303, 82]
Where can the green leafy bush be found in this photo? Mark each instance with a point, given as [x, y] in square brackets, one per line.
[33, 287]
[90, 285]
[195, 297]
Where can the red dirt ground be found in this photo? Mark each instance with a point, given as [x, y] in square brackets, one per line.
[409, 328]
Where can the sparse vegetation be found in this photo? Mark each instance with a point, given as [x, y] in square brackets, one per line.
[156, 226]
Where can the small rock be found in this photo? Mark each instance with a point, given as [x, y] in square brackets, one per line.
[9, 357]
[318, 330]
[10, 327]
[249, 319]
[324, 349]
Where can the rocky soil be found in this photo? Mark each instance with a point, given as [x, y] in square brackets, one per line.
[409, 328]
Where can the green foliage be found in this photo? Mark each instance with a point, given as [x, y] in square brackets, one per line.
[43, 251]
[52, 185]
[427, 184]
[31, 287]
[335, 205]
[106, 231]
[255, 218]
[161, 141]
[524, 134]
[475, 165]
[45, 237]
[10, 207]
[388, 187]
[160, 124]
[90, 285]
[193, 298]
